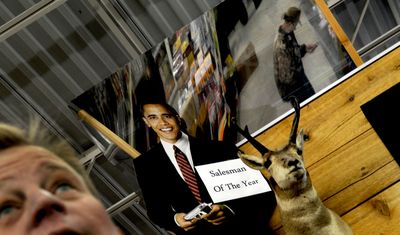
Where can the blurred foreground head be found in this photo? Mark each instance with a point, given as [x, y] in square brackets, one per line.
[44, 189]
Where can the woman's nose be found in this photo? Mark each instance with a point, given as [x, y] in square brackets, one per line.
[45, 206]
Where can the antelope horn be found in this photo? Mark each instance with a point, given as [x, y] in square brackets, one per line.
[295, 124]
[261, 148]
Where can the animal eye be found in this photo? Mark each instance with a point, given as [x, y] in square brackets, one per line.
[267, 164]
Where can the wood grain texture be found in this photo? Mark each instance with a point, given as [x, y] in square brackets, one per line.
[379, 215]
[351, 169]
[341, 35]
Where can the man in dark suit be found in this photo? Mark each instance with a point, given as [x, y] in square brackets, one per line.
[167, 195]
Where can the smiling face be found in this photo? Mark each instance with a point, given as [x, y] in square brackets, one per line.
[41, 194]
[162, 121]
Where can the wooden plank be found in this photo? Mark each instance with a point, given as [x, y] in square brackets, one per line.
[336, 118]
[379, 215]
[368, 187]
[331, 120]
[86, 117]
[347, 161]
[275, 221]
[344, 178]
[340, 34]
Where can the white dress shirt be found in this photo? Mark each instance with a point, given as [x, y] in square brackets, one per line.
[184, 145]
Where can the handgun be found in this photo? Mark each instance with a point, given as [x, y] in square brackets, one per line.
[198, 211]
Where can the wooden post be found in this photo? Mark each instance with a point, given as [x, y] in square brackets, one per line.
[344, 40]
[108, 133]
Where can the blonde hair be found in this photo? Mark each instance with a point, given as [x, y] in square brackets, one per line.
[12, 136]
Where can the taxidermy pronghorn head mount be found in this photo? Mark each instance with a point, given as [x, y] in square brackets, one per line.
[302, 211]
[283, 168]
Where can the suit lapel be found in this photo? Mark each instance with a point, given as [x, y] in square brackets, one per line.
[198, 151]
[167, 165]
[198, 154]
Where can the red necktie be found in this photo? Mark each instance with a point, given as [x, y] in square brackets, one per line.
[187, 172]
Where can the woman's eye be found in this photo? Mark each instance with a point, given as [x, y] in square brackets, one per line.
[64, 187]
[6, 210]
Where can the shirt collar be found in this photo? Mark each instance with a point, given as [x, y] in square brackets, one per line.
[182, 143]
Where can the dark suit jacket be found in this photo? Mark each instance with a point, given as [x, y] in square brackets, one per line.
[166, 193]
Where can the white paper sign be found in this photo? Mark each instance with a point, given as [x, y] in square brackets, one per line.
[231, 179]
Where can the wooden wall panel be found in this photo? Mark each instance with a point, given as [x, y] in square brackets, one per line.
[379, 215]
[349, 165]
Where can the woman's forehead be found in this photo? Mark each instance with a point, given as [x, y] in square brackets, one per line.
[28, 159]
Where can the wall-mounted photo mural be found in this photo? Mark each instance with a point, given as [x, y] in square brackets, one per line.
[239, 61]
[184, 71]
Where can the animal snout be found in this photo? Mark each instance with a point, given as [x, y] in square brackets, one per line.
[292, 162]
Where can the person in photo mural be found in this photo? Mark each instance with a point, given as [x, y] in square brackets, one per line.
[168, 195]
[289, 74]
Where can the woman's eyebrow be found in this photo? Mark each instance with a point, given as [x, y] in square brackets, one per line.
[46, 167]
[15, 192]
[51, 167]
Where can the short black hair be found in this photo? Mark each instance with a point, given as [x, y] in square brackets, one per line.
[169, 108]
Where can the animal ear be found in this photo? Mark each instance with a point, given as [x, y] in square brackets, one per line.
[251, 161]
[300, 140]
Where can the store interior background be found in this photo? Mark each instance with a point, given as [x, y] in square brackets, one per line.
[74, 46]
[323, 67]
[260, 31]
